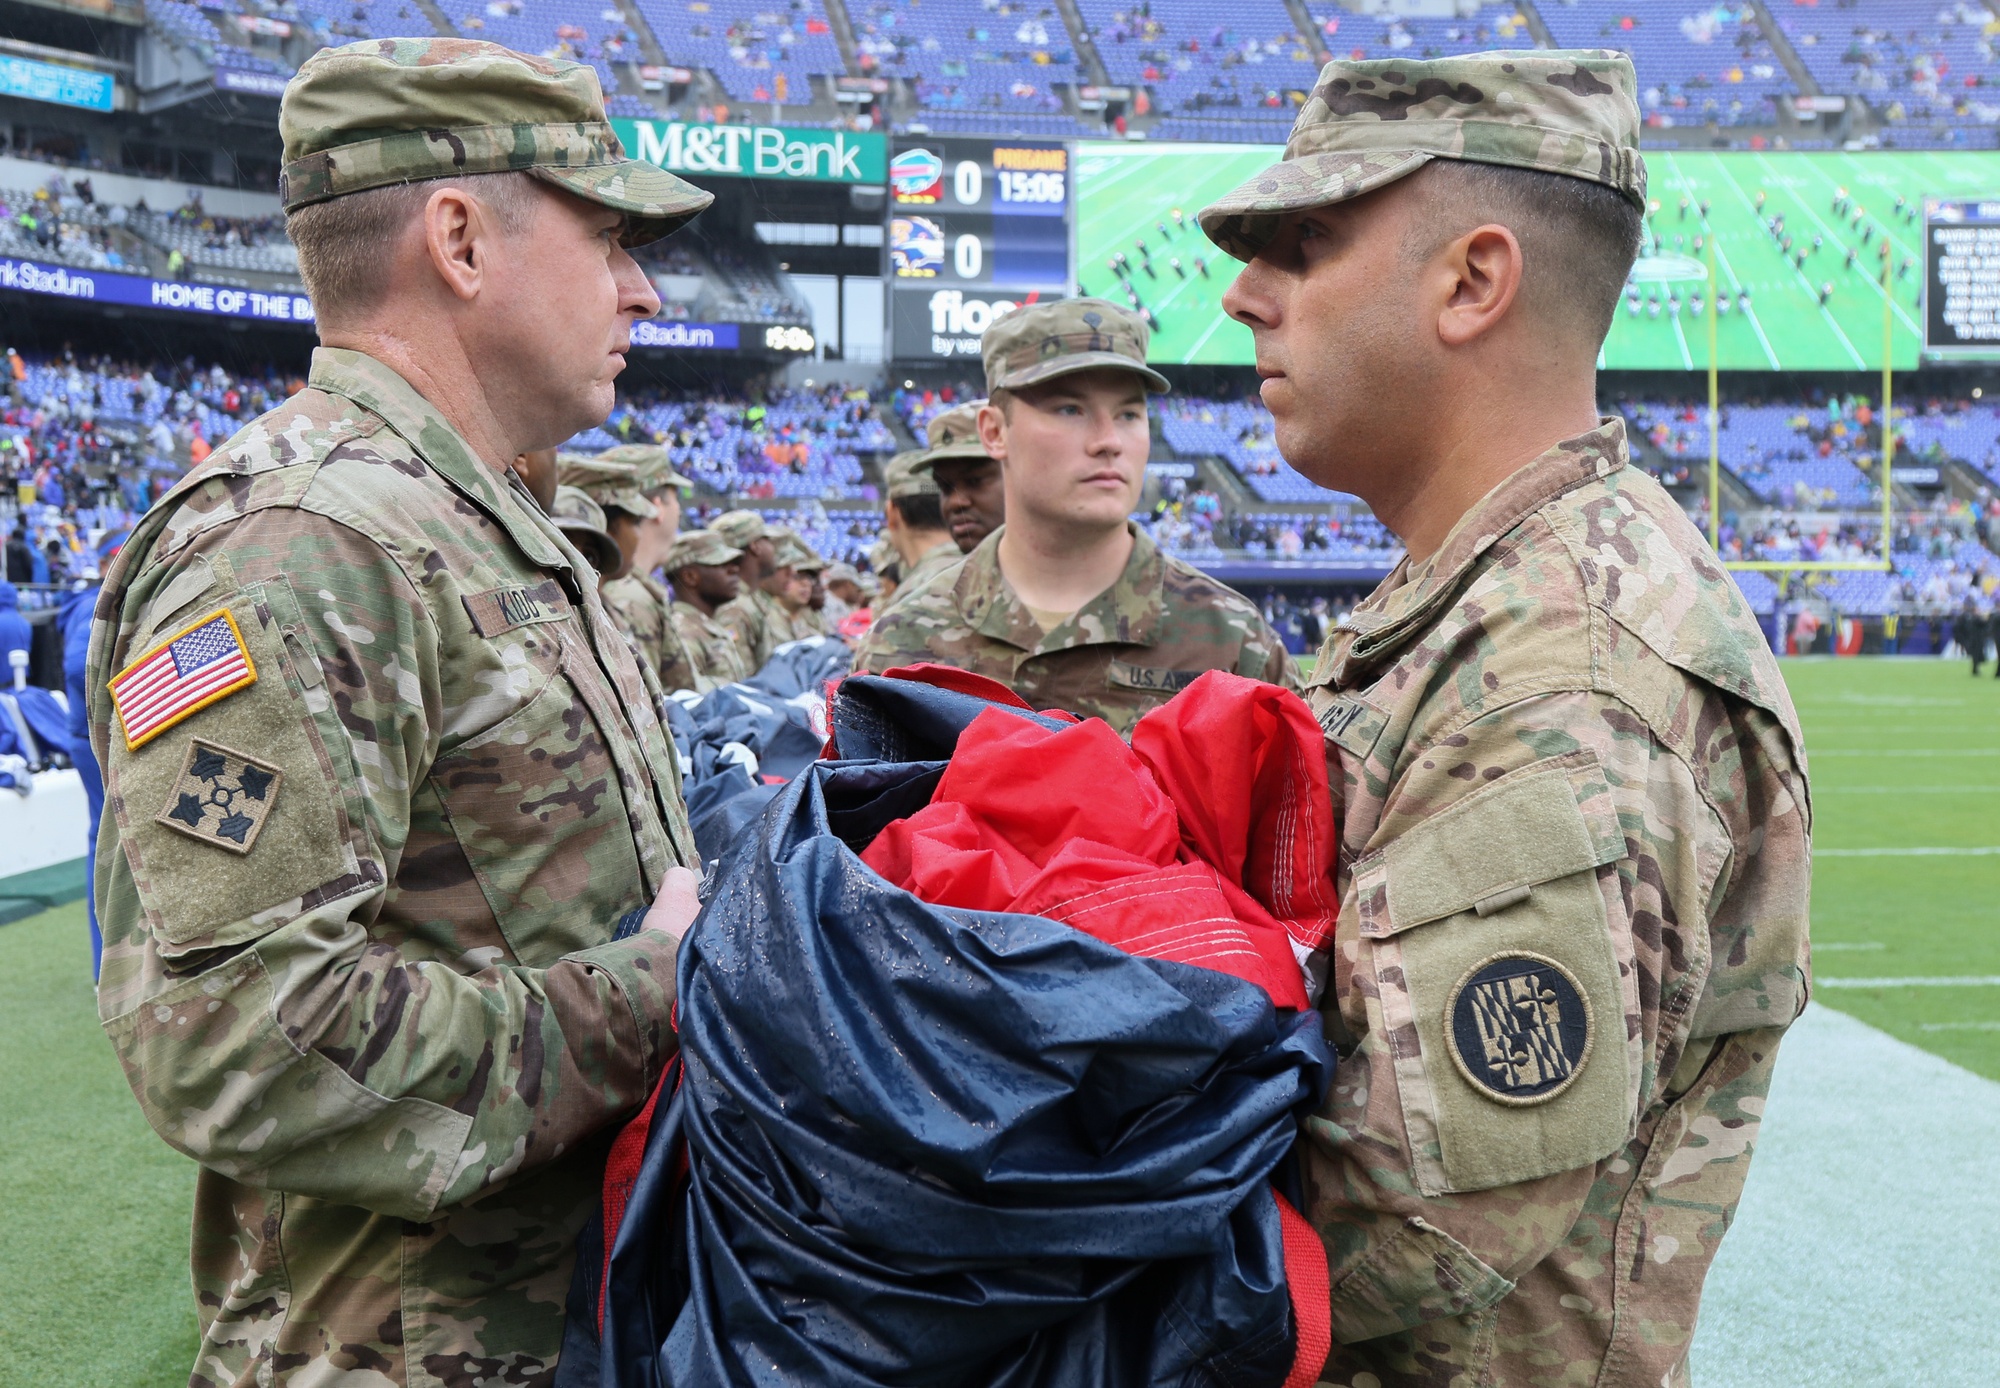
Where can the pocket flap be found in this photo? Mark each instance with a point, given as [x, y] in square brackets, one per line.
[1562, 823]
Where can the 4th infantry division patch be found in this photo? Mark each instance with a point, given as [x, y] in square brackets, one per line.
[180, 677]
[222, 797]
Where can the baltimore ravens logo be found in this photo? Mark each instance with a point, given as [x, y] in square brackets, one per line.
[1519, 1028]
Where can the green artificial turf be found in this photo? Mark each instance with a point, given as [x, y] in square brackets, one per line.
[93, 1279]
[1127, 193]
[1906, 754]
[93, 1268]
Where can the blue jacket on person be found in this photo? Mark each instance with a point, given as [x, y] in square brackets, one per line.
[14, 632]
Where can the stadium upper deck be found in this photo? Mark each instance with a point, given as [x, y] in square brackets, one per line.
[1902, 72]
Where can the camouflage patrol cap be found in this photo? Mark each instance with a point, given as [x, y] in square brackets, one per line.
[582, 520]
[651, 462]
[794, 553]
[954, 434]
[1043, 341]
[742, 528]
[391, 111]
[1367, 124]
[614, 486]
[904, 475]
[700, 547]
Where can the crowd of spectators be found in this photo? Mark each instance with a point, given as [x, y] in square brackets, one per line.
[1927, 68]
[806, 444]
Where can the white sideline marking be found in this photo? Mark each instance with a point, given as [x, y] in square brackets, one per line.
[1819, 948]
[1905, 790]
[1986, 852]
[1958, 1026]
[1904, 752]
[1919, 981]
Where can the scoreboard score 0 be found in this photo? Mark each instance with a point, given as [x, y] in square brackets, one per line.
[976, 229]
[1962, 276]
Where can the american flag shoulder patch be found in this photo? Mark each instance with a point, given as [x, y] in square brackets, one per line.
[197, 666]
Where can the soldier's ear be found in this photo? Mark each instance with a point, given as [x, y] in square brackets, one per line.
[456, 230]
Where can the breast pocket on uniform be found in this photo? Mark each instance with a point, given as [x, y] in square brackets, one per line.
[1489, 939]
[536, 806]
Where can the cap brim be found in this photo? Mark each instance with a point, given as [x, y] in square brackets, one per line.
[1084, 361]
[946, 452]
[655, 202]
[1243, 221]
[596, 546]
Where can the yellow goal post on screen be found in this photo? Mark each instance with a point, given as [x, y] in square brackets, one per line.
[1883, 563]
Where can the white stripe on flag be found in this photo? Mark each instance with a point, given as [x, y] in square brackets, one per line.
[218, 674]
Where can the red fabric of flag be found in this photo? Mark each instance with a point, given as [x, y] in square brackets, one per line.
[1209, 840]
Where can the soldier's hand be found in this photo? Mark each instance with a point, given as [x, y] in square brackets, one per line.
[678, 903]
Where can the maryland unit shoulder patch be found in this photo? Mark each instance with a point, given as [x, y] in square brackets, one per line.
[180, 677]
[1519, 1028]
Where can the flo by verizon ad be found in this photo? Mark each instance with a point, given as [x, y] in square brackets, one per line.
[758, 151]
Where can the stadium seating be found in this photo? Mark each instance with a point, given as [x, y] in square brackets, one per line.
[1239, 433]
[1215, 74]
[802, 444]
[584, 31]
[971, 58]
[1362, 36]
[1962, 430]
[759, 50]
[1706, 65]
[1928, 67]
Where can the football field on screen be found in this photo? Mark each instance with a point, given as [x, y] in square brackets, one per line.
[1126, 193]
[1905, 758]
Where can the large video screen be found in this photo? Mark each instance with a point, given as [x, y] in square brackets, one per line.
[1782, 224]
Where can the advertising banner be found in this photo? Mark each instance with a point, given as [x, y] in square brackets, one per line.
[136, 291]
[56, 83]
[232, 79]
[757, 151]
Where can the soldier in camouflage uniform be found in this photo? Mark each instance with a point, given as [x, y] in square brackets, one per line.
[1156, 623]
[972, 496]
[581, 520]
[759, 620]
[915, 525]
[643, 528]
[807, 596]
[1570, 785]
[387, 794]
[706, 573]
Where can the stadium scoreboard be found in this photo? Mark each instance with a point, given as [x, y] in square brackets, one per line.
[1962, 276]
[976, 229]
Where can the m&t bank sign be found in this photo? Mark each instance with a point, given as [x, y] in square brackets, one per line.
[758, 151]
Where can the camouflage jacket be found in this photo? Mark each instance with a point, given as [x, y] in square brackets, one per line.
[807, 623]
[717, 656]
[929, 565]
[1574, 856]
[760, 623]
[1129, 649]
[640, 606]
[359, 900]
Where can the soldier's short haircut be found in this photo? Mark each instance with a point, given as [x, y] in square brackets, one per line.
[920, 510]
[342, 242]
[1578, 238]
